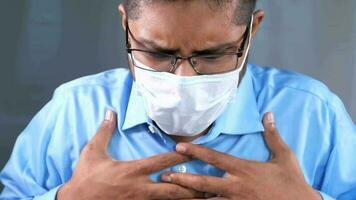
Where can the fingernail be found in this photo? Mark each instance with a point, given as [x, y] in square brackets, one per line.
[270, 117]
[180, 148]
[166, 178]
[270, 120]
[108, 115]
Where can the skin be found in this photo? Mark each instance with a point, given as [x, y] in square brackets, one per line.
[183, 36]
[98, 176]
[279, 178]
[187, 29]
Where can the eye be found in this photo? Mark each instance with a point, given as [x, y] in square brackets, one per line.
[158, 56]
[212, 57]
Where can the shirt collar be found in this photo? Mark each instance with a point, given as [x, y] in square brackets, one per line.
[240, 117]
[135, 113]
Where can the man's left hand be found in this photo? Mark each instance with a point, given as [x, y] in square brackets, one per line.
[279, 178]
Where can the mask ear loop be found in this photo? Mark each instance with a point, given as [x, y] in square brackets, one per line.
[248, 45]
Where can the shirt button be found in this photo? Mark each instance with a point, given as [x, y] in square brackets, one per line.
[182, 169]
[152, 129]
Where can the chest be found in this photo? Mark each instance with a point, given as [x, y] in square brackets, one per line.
[142, 143]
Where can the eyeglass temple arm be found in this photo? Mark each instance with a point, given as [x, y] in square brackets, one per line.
[128, 46]
[246, 35]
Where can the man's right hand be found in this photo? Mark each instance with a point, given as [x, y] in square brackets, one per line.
[98, 176]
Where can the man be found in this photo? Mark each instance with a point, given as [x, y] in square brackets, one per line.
[190, 121]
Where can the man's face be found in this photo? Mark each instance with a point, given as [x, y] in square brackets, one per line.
[184, 28]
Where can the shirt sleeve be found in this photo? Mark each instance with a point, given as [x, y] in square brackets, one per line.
[48, 195]
[33, 170]
[340, 171]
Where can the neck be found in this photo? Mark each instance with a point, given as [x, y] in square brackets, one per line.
[179, 139]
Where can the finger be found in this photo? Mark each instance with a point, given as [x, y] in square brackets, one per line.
[160, 162]
[102, 138]
[221, 160]
[171, 191]
[210, 184]
[272, 137]
[212, 198]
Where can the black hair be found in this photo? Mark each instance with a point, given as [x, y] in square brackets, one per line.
[243, 9]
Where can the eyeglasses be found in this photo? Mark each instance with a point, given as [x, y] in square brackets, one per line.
[208, 64]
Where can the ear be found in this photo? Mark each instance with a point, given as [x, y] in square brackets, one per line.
[122, 12]
[258, 17]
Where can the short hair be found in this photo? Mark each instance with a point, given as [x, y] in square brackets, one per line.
[242, 13]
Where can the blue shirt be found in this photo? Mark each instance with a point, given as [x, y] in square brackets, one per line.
[311, 120]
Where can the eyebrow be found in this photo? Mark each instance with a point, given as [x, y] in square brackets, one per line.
[151, 45]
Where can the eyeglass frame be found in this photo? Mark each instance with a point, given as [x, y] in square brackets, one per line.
[189, 58]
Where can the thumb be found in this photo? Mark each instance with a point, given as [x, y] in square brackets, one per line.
[102, 138]
[272, 137]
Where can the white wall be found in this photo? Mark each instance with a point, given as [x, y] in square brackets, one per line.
[314, 37]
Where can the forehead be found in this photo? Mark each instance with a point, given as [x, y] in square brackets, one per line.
[186, 24]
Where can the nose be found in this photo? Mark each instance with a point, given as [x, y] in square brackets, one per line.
[184, 68]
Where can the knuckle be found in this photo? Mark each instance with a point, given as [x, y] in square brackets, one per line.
[273, 133]
[106, 126]
[130, 168]
[166, 160]
[174, 191]
[213, 158]
[248, 169]
[237, 186]
[176, 178]
[112, 164]
[88, 148]
[287, 153]
[149, 192]
[195, 150]
[135, 194]
[203, 183]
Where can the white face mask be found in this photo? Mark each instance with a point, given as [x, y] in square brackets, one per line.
[182, 105]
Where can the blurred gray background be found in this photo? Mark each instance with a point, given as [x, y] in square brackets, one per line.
[45, 43]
